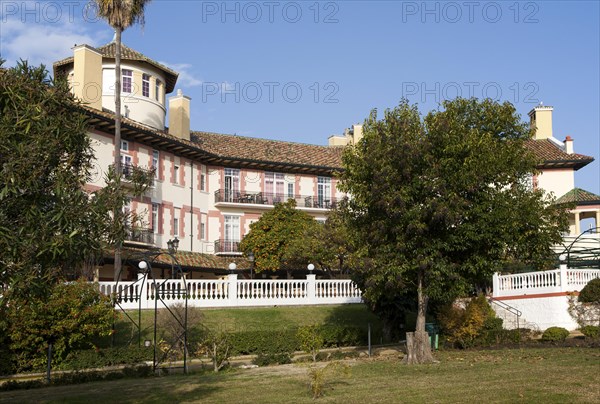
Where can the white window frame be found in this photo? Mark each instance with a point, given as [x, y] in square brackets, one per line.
[126, 81]
[176, 214]
[145, 85]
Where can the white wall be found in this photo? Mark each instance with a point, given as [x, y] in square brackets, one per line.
[559, 181]
[543, 312]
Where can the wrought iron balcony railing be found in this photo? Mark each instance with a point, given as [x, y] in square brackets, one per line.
[265, 198]
[227, 247]
[139, 235]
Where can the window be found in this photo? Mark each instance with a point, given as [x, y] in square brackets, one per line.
[176, 213]
[232, 184]
[157, 90]
[146, 85]
[202, 182]
[290, 191]
[155, 160]
[155, 210]
[274, 187]
[124, 145]
[126, 81]
[176, 174]
[323, 192]
[232, 234]
[126, 166]
[202, 231]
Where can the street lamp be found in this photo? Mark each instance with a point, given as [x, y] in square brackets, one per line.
[173, 245]
[251, 259]
[232, 267]
[310, 268]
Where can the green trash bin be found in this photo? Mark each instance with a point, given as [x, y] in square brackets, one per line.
[432, 330]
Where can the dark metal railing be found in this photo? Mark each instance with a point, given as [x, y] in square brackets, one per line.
[265, 198]
[139, 235]
[227, 246]
[127, 170]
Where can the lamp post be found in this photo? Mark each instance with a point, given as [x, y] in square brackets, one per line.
[173, 245]
[310, 268]
[232, 267]
[251, 259]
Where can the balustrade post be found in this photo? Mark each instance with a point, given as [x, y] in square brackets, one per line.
[563, 277]
[233, 289]
[495, 284]
[311, 288]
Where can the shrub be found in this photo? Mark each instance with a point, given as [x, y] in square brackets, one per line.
[555, 334]
[71, 317]
[476, 324]
[97, 358]
[590, 292]
[590, 331]
[170, 323]
[311, 340]
[217, 346]
[317, 376]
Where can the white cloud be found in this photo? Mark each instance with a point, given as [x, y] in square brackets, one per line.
[187, 77]
[40, 43]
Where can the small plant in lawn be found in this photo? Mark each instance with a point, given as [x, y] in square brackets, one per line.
[311, 340]
[317, 376]
[217, 346]
[555, 334]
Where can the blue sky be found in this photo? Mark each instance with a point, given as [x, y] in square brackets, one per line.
[302, 71]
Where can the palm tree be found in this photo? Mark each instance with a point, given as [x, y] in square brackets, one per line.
[120, 14]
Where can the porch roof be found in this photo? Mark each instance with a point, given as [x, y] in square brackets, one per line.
[580, 197]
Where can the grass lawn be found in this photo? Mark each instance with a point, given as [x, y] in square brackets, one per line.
[532, 375]
[260, 318]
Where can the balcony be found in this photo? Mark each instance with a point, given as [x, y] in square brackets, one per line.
[130, 171]
[227, 247]
[270, 199]
[139, 237]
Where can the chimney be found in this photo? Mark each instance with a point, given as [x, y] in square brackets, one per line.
[356, 133]
[569, 145]
[337, 140]
[179, 116]
[541, 121]
[87, 76]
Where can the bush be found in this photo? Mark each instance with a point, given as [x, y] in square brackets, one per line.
[590, 331]
[555, 334]
[590, 292]
[254, 342]
[311, 340]
[217, 346]
[475, 325]
[72, 316]
[98, 358]
[170, 324]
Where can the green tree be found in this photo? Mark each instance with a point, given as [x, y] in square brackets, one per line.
[328, 245]
[71, 317]
[120, 15]
[271, 237]
[440, 202]
[46, 225]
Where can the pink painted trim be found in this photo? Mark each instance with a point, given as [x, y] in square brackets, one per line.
[555, 294]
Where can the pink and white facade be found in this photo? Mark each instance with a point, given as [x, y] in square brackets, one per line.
[208, 187]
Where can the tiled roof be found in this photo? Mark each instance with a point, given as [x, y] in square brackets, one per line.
[579, 196]
[185, 259]
[108, 51]
[272, 151]
[553, 156]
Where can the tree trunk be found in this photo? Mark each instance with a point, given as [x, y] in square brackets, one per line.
[117, 162]
[418, 348]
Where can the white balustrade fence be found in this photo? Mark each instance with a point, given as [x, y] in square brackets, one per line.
[532, 283]
[232, 292]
